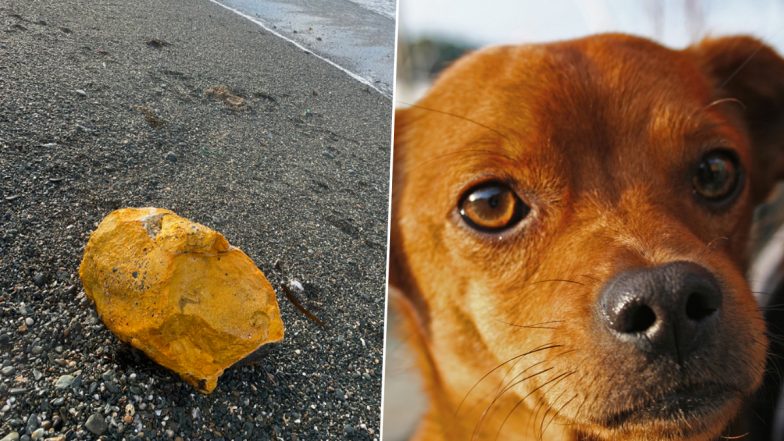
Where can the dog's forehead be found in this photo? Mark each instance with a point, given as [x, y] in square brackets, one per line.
[609, 82]
[604, 66]
[590, 94]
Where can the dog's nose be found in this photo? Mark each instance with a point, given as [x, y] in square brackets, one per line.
[666, 310]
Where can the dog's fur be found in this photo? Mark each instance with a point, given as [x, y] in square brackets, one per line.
[600, 136]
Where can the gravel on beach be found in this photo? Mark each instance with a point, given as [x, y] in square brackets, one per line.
[184, 105]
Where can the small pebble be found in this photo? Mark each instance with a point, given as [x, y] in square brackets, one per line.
[96, 424]
[29, 321]
[13, 436]
[171, 156]
[107, 375]
[8, 371]
[32, 424]
[39, 279]
[80, 92]
[64, 381]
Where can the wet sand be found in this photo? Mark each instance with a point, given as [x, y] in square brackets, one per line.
[358, 39]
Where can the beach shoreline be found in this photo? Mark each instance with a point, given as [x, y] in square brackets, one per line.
[106, 105]
[354, 37]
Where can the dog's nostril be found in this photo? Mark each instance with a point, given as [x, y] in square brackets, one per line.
[700, 306]
[639, 318]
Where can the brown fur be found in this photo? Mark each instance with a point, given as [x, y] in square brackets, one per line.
[599, 136]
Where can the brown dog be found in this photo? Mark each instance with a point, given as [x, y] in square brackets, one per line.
[569, 233]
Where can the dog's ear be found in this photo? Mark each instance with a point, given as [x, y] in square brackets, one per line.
[746, 69]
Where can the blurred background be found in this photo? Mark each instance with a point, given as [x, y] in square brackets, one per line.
[433, 33]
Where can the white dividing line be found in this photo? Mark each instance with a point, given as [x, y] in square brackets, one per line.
[278, 34]
[385, 350]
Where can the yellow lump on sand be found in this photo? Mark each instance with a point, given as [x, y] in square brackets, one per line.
[179, 292]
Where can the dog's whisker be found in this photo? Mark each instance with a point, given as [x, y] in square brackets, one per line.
[500, 394]
[531, 286]
[546, 411]
[596, 395]
[775, 357]
[504, 383]
[502, 386]
[773, 366]
[569, 422]
[743, 65]
[557, 280]
[776, 307]
[540, 404]
[512, 383]
[558, 412]
[519, 402]
[583, 376]
[540, 325]
[709, 247]
[590, 277]
[744, 435]
[773, 337]
[683, 419]
[461, 117]
[724, 101]
[506, 386]
[762, 293]
[532, 351]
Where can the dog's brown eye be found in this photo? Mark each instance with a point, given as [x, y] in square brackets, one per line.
[717, 176]
[492, 207]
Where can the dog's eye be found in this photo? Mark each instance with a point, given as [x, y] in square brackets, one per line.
[492, 207]
[717, 176]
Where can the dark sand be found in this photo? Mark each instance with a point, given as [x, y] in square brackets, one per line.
[103, 105]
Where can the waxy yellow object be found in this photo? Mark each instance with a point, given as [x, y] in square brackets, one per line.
[179, 292]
